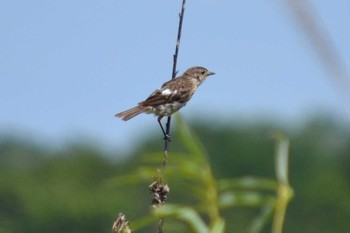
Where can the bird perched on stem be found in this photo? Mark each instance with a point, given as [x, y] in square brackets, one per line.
[172, 96]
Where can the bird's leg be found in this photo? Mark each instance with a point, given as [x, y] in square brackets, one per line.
[166, 136]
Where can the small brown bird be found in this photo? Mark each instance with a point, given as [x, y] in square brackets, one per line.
[172, 96]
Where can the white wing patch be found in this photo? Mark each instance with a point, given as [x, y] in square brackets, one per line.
[166, 92]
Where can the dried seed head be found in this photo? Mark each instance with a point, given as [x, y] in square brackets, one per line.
[121, 225]
[159, 191]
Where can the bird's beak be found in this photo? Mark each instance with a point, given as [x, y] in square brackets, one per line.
[211, 73]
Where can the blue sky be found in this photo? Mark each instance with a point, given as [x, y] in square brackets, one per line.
[66, 67]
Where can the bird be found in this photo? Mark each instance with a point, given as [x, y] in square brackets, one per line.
[171, 97]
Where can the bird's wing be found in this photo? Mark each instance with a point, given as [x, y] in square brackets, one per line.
[171, 91]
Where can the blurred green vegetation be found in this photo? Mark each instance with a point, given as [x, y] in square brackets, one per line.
[80, 188]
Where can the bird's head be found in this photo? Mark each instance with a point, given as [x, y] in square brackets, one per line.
[198, 73]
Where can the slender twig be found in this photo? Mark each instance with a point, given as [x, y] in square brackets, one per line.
[166, 140]
[160, 225]
[167, 130]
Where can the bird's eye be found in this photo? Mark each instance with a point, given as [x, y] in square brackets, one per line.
[203, 72]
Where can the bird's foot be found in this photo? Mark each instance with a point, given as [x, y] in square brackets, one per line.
[167, 137]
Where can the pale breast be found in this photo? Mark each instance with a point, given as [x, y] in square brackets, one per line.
[167, 109]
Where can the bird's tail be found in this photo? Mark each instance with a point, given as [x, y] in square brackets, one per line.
[130, 113]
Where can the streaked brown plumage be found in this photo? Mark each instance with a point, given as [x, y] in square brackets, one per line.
[172, 96]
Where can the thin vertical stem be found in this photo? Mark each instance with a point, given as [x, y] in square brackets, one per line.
[181, 16]
[167, 130]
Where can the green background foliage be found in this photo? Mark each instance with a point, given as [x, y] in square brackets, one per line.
[82, 189]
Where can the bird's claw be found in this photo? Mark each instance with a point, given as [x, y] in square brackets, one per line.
[167, 137]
